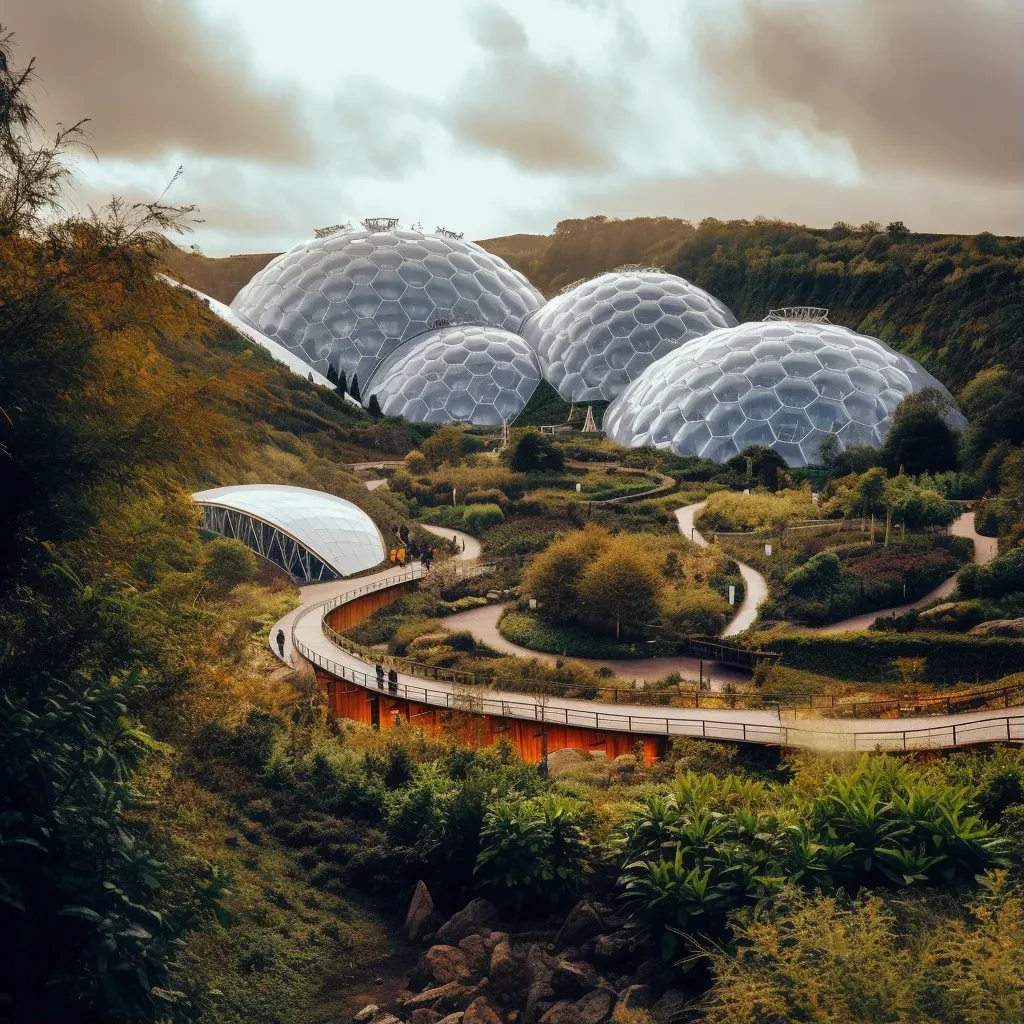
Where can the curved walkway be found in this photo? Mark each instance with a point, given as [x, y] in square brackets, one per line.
[755, 587]
[761, 727]
[985, 549]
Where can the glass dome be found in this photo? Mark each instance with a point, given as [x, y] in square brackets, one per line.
[782, 384]
[597, 336]
[469, 373]
[351, 298]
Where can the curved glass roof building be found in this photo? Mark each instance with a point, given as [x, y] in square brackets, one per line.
[597, 336]
[349, 299]
[782, 384]
[311, 535]
[481, 374]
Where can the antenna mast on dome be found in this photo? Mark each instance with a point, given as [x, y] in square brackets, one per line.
[334, 229]
[448, 233]
[380, 223]
[805, 314]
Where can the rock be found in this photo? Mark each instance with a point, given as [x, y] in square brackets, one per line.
[595, 1006]
[563, 1012]
[670, 1007]
[573, 979]
[422, 918]
[583, 923]
[438, 966]
[424, 1016]
[636, 997]
[538, 1001]
[503, 971]
[476, 915]
[366, 1013]
[443, 998]
[480, 1011]
[539, 965]
[564, 761]
[492, 939]
[387, 1018]
[475, 952]
[452, 1018]
[612, 950]
[999, 627]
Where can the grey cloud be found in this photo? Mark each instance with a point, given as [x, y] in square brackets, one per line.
[928, 204]
[376, 130]
[927, 84]
[152, 78]
[496, 30]
[543, 117]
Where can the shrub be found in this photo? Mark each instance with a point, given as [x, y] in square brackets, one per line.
[443, 447]
[530, 451]
[486, 496]
[479, 518]
[228, 563]
[620, 587]
[416, 463]
[1003, 575]
[693, 610]
[953, 616]
[726, 510]
[532, 851]
[553, 577]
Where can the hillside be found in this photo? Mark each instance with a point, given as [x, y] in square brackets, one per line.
[956, 303]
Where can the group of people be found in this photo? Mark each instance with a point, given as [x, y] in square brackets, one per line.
[409, 549]
[392, 677]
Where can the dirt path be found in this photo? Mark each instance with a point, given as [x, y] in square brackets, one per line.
[985, 549]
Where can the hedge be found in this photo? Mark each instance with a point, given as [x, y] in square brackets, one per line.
[529, 630]
[869, 657]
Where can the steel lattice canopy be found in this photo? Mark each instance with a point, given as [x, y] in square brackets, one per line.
[311, 535]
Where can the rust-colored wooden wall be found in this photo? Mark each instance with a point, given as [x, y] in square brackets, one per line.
[353, 612]
[371, 708]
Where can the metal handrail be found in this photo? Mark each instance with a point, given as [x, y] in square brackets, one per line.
[938, 704]
[1006, 728]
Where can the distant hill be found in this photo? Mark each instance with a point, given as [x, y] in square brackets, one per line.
[954, 302]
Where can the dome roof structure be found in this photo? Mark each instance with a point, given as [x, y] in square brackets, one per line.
[477, 373]
[783, 384]
[312, 535]
[597, 336]
[350, 298]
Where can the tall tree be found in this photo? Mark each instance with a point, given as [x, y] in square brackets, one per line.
[920, 440]
[354, 389]
[342, 386]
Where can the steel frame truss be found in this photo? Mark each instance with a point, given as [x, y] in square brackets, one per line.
[269, 542]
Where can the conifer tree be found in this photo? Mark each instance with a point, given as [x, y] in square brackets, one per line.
[342, 382]
[374, 408]
[354, 390]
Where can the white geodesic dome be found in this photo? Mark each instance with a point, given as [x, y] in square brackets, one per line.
[782, 384]
[350, 298]
[474, 373]
[596, 337]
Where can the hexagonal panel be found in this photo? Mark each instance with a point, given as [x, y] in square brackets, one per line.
[811, 380]
[354, 274]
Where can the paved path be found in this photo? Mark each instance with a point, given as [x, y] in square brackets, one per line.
[483, 624]
[985, 549]
[756, 589]
[751, 726]
[471, 547]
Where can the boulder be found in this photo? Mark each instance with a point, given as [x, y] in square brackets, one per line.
[366, 1013]
[563, 1012]
[452, 1018]
[422, 918]
[492, 939]
[387, 1018]
[424, 1016]
[443, 998]
[562, 762]
[595, 1007]
[539, 965]
[612, 950]
[475, 916]
[573, 979]
[439, 965]
[503, 972]
[670, 1008]
[480, 1011]
[583, 923]
[538, 1001]
[475, 952]
[636, 997]
[999, 627]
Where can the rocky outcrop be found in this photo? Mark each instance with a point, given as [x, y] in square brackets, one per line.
[480, 1011]
[476, 953]
[367, 1013]
[1013, 628]
[476, 917]
[573, 979]
[422, 919]
[583, 922]
[613, 950]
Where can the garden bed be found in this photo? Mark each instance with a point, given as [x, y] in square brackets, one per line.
[527, 629]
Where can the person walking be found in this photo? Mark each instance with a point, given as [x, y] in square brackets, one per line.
[392, 681]
[280, 641]
[380, 676]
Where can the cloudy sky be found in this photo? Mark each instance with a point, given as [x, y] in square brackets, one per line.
[502, 116]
